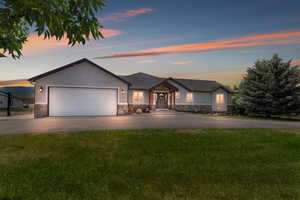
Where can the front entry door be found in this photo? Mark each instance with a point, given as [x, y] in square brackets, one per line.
[162, 101]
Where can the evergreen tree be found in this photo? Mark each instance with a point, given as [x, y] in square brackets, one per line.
[236, 101]
[269, 88]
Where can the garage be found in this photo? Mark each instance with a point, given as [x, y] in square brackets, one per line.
[73, 101]
[80, 88]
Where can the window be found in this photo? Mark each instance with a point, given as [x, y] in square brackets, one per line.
[138, 97]
[189, 97]
[177, 95]
[220, 99]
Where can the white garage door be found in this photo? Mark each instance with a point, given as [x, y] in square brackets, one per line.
[82, 101]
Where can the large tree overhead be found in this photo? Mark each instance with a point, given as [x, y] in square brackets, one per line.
[73, 19]
[270, 88]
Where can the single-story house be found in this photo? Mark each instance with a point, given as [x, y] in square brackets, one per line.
[83, 88]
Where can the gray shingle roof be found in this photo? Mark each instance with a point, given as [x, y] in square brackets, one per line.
[201, 85]
[142, 81]
[146, 81]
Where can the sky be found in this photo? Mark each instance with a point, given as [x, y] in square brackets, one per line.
[212, 40]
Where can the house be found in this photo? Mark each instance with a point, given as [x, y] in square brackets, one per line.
[16, 103]
[83, 88]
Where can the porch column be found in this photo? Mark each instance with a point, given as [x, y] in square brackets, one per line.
[150, 99]
[174, 99]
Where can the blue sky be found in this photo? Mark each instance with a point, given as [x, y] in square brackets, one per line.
[135, 26]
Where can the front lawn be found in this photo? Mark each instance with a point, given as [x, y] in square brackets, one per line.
[152, 164]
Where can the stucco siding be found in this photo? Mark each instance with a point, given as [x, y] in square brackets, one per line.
[220, 91]
[80, 75]
[220, 107]
[144, 101]
[199, 98]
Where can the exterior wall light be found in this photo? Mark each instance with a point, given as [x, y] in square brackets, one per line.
[122, 91]
[41, 89]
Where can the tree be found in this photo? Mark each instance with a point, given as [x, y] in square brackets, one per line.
[73, 19]
[236, 101]
[269, 88]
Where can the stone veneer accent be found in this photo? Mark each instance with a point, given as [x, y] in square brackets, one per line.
[132, 108]
[123, 109]
[40, 110]
[194, 108]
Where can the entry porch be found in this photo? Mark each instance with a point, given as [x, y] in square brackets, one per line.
[162, 96]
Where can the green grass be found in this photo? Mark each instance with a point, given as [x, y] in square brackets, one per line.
[223, 164]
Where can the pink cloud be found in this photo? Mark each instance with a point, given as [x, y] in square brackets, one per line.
[182, 63]
[257, 40]
[225, 77]
[36, 44]
[108, 33]
[120, 16]
[145, 61]
[296, 62]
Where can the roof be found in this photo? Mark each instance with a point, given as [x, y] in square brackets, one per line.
[143, 81]
[200, 85]
[71, 65]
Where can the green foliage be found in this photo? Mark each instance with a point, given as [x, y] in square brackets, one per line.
[73, 19]
[236, 101]
[270, 88]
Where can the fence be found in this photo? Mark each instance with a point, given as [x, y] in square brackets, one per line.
[8, 102]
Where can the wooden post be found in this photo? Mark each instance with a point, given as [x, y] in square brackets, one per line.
[150, 100]
[174, 99]
[8, 104]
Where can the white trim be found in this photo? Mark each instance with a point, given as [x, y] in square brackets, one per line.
[187, 95]
[40, 103]
[122, 103]
[193, 103]
[80, 86]
[139, 101]
[75, 93]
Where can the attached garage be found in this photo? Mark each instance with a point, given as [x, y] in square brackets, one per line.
[66, 101]
[81, 88]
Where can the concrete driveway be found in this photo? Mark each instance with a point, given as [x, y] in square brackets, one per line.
[156, 120]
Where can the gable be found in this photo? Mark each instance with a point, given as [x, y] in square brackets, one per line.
[82, 74]
[86, 67]
[178, 86]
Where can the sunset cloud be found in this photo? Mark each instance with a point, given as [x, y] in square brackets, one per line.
[250, 41]
[206, 74]
[146, 61]
[11, 83]
[108, 33]
[121, 16]
[36, 44]
[231, 78]
[296, 62]
[182, 63]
